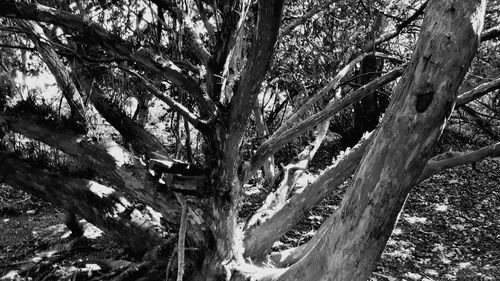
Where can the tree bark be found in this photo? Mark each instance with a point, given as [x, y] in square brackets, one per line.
[260, 236]
[424, 98]
[99, 204]
[51, 59]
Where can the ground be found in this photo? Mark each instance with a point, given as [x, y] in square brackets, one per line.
[449, 230]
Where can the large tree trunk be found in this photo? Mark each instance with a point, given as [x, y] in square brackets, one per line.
[357, 233]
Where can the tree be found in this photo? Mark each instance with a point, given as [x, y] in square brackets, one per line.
[219, 71]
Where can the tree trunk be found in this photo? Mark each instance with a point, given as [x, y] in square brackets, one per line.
[424, 98]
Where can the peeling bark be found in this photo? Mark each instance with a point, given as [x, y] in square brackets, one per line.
[260, 236]
[424, 98]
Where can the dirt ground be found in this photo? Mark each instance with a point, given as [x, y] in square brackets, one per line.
[449, 230]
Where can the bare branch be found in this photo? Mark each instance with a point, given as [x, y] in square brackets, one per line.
[260, 54]
[490, 34]
[450, 159]
[98, 35]
[477, 92]
[176, 106]
[389, 35]
[142, 141]
[182, 237]
[50, 57]
[269, 227]
[333, 85]
[274, 144]
[435, 165]
[314, 11]
[106, 159]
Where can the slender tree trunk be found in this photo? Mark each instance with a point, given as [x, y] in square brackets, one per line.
[367, 112]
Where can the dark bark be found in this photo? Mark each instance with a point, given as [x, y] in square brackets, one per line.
[99, 204]
[367, 111]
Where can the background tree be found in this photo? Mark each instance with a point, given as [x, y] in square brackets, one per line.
[210, 65]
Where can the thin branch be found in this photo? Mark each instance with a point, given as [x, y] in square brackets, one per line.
[182, 237]
[275, 143]
[478, 91]
[17, 47]
[333, 85]
[195, 41]
[314, 11]
[176, 106]
[389, 35]
[449, 160]
[490, 34]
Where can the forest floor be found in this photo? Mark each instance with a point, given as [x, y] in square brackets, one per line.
[449, 230]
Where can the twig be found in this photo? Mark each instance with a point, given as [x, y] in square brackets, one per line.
[170, 262]
[182, 237]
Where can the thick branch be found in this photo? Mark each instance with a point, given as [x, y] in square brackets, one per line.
[260, 54]
[452, 159]
[97, 203]
[274, 144]
[50, 57]
[435, 165]
[105, 159]
[260, 236]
